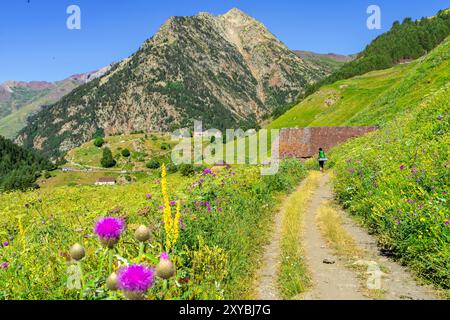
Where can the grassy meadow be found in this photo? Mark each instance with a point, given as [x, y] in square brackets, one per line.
[397, 180]
[221, 233]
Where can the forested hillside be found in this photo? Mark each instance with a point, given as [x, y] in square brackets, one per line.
[374, 98]
[19, 168]
[404, 42]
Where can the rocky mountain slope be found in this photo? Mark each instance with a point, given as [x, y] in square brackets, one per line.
[226, 70]
[19, 99]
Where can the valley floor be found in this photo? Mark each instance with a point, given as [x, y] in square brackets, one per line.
[339, 259]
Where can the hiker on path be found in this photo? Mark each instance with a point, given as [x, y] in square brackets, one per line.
[322, 159]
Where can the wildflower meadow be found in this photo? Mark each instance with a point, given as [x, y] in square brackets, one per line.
[172, 238]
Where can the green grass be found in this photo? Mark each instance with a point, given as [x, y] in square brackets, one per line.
[293, 274]
[143, 147]
[218, 250]
[345, 100]
[370, 99]
[397, 179]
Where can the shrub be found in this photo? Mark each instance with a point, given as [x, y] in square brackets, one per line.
[99, 142]
[186, 170]
[165, 146]
[126, 153]
[199, 168]
[171, 168]
[153, 164]
[107, 159]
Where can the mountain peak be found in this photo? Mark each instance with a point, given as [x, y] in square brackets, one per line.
[236, 12]
[225, 70]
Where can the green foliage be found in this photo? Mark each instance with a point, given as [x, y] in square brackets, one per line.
[405, 41]
[153, 164]
[198, 168]
[165, 146]
[107, 160]
[19, 168]
[397, 180]
[171, 167]
[99, 133]
[216, 255]
[99, 142]
[372, 99]
[126, 153]
[186, 170]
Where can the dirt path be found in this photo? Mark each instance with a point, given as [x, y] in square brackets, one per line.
[397, 283]
[267, 283]
[332, 276]
[331, 279]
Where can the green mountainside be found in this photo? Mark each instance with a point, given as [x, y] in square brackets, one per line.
[373, 98]
[405, 41]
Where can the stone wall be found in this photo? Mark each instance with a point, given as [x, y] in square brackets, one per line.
[305, 142]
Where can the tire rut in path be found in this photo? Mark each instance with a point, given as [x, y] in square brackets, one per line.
[267, 277]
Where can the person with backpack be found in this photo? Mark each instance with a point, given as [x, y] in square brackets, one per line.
[322, 159]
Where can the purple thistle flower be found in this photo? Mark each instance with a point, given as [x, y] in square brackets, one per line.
[4, 265]
[26, 205]
[209, 209]
[164, 256]
[135, 278]
[402, 167]
[109, 230]
[160, 207]
[220, 209]
[173, 202]
[206, 172]
[6, 243]
[148, 195]
[447, 222]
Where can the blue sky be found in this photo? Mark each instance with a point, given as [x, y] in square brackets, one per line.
[36, 45]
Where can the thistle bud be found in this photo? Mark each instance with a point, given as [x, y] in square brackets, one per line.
[109, 242]
[77, 252]
[165, 268]
[142, 234]
[111, 282]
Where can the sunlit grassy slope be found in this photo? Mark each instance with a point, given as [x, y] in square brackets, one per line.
[370, 99]
[142, 147]
[397, 179]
